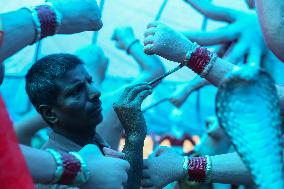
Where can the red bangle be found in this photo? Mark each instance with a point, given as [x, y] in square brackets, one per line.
[201, 60]
[71, 167]
[47, 18]
[197, 169]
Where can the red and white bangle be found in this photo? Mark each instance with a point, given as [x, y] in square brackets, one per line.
[71, 169]
[84, 175]
[46, 19]
[198, 169]
[200, 59]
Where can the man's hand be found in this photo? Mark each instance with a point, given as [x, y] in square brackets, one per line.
[162, 40]
[243, 28]
[162, 168]
[123, 37]
[128, 108]
[106, 172]
[113, 153]
[78, 15]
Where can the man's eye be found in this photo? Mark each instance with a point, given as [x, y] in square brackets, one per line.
[76, 91]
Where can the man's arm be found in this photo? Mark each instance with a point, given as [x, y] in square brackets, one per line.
[19, 28]
[42, 167]
[166, 166]
[230, 169]
[37, 160]
[19, 32]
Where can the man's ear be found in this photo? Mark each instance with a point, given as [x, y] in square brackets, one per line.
[48, 114]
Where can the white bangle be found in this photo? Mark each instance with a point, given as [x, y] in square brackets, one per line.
[185, 166]
[59, 165]
[208, 169]
[209, 65]
[36, 23]
[193, 48]
[84, 175]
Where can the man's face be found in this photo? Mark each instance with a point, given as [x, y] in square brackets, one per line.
[78, 105]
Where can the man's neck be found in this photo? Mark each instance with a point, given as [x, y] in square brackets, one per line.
[81, 138]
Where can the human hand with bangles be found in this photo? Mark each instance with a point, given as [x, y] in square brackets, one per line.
[243, 31]
[78, 15]
[108, 171]
[124, 37]
[161, 168]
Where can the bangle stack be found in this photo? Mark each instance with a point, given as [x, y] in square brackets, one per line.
[1, 32]
[131, 44]
[200, 59]
[208, 169]
[46, 19]
[71, 169]
[198, 169]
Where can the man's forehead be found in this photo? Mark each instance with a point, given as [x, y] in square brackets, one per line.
[77, 74]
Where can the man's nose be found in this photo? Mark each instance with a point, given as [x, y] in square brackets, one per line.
[93, 93]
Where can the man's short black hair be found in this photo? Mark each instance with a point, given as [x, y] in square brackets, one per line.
[40, 79]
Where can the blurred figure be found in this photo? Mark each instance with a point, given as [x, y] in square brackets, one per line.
[182, 93]
[214, 141]
[243, 29]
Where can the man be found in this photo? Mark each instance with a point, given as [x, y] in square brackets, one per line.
[63, 92]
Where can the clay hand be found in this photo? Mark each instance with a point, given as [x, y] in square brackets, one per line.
[78, 15]
[162, 40]
[128, 108]
[123, 37]
[243, 28]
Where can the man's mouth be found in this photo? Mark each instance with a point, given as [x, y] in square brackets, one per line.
[97, 108]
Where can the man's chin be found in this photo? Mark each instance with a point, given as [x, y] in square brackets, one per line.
[97, 120]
